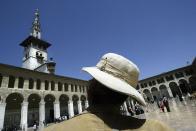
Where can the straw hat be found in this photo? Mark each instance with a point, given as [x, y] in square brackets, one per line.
[117, 73]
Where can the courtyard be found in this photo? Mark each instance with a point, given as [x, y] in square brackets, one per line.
[181, 118]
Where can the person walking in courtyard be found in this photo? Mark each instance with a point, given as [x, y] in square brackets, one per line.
[114, 79]
[166, 103]
[161, 105]
[35, 127]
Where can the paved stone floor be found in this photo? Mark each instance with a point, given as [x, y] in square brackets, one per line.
[182, 116]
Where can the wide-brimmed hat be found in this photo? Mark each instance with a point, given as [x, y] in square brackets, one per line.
[117, 73]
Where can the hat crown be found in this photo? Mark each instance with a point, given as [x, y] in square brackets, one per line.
[119, 66]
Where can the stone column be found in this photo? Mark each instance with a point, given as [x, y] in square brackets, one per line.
[69, 87]
[185, 77]
[151, 95]
[178, 85]
[24, 113]
[26, 84]
[49, 86]
[85, 89]
[70, 109]
[5, 81]
[16, 83]
[170, 92]
[42, 85]
[2, 114]
[34, 85]
[56, 109]
[86, 104]
[79, 107]
[56, 86]
[41, 112]
[63, 87]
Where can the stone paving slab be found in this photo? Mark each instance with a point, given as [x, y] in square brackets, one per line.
[182, 116]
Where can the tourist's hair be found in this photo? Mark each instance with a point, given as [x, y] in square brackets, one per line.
[100, 94]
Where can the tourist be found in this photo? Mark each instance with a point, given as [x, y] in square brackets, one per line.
[166, 103]
[107, 91]
[130, 110]
[44, 123]
[34, 127]
[161, 105]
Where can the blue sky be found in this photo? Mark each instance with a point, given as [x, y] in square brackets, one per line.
[157, 35]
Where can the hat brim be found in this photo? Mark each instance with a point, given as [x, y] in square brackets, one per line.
[115, 83]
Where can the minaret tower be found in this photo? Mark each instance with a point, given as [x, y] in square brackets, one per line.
[36, 29]
[35, 50]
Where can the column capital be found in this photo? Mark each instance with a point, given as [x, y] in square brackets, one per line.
[3, 104]
[70, 101]
[25, 103]
[56, 102]
[42, 103]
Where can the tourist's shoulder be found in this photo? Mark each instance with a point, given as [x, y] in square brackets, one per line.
[156, 124]
[78, 122]
[85, 115]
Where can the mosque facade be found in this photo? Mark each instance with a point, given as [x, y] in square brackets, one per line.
[175, 83]
[34, 93]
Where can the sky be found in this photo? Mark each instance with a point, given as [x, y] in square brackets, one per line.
[157, 35]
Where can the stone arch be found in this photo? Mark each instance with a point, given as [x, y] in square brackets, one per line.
[72, 88]
[76, 88]
[83, 100]
[1, 77]
[11, 81]
[192, 83]
[175, 89]
[80, 88]
[49, 108]
[31, 83]
[63, 100]
[83, 89]
[65, 87]
[148, 95]
[52, 85]
[46, 85]
[75, 99]
[13, 110]
[60, 86]
[38, 84]
[164, 91]
[33, 108]
[20, 82]
[155, 93]
[184, 86]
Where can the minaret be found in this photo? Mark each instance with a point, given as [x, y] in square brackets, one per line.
[36, 29]
[35, 50]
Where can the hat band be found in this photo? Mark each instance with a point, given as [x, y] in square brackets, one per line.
[110, 69]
